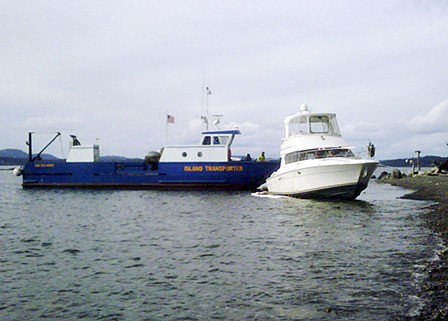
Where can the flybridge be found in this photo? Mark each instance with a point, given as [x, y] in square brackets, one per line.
[306, 123]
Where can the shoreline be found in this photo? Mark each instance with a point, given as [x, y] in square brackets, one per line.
[434, 290]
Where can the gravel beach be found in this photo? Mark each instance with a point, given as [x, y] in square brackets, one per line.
[435, 288]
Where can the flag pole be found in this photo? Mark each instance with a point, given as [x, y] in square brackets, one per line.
[169, 120]
[166, 128]
[207, 93]
[203, 91]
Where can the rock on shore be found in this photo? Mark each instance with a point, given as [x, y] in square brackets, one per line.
[435, 288]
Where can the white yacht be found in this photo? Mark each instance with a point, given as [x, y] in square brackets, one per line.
[316, 162]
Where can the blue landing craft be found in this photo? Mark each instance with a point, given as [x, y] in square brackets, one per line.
[208, 165]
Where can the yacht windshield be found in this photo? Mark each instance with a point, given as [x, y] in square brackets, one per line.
[319, 124]
[318, 153]
[334, 128]
[297, 125]
[312, 124]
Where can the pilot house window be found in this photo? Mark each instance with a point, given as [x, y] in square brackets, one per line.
[206, 140]
[319, 124]
[215, 140]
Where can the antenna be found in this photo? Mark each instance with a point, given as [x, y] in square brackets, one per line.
[208, 93]
[217, 120]
[204, 117]
[203, 86]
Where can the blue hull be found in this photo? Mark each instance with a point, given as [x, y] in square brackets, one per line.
[232, 175]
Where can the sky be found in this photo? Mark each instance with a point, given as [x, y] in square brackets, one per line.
[110, 71]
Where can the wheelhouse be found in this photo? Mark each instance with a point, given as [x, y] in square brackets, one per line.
[219, 138]
[213, 146]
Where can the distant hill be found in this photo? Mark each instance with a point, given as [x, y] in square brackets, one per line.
[19, 154]
[12, 157]
[18, 157]
[13, 153]
[119, 159]
[425, 161]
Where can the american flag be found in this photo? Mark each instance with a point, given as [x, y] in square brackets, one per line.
[169, 119]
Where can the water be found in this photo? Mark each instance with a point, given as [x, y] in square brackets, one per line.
[149, 255]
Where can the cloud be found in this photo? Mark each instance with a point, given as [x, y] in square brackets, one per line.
[253, 138]
[435, 121]
[113, 70]
[361, 128]
[52, 123]
[248, 128]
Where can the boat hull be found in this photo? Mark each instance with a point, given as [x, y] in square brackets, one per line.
[327, 178]
[232, 175]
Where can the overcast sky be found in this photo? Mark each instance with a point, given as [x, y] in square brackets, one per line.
[113, 70]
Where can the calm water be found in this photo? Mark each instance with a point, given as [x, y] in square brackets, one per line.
[148, 255]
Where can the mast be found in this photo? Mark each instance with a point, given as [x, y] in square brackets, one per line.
[30, 147]
[204, 117]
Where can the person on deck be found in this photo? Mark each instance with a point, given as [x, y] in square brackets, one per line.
[261, 158]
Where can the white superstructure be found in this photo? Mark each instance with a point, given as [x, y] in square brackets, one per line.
[316, 161]
[214, 146]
